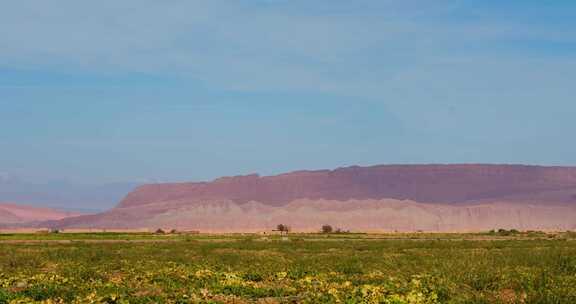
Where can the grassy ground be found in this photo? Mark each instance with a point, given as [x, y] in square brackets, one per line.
[348, 268]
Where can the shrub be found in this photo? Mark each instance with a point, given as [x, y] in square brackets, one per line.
[327, 229]
[282, 228]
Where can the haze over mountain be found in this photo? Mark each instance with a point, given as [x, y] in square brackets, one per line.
[400, 197]
[17, 215]
[63, 195]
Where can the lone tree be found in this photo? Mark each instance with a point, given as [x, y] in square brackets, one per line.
[327, 229]
[282, 228]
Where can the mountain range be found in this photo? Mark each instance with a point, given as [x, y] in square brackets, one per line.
[378, 198]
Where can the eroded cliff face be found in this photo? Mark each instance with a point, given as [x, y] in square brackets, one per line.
[423, 183]
[309, 215]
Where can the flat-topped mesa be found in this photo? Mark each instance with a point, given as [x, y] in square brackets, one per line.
[423, 183]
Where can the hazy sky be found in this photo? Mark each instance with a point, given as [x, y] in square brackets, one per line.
[136, 90]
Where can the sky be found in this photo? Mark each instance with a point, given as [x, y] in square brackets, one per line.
[99, 92]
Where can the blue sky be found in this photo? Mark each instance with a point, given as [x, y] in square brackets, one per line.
[107, 91]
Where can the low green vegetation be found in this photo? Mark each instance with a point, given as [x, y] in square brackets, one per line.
[301, 268]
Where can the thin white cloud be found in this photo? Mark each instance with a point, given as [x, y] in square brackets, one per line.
[387, 50]
[235, 46]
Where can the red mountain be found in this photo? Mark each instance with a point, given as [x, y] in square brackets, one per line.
[401, 197]
[422, 183]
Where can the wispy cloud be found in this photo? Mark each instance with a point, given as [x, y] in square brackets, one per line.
[326, 46]
[165, 88]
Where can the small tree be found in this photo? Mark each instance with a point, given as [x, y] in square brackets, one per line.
[282, 228]
[327, 229]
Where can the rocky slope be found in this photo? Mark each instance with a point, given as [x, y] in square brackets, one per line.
[310, 215]
[379, 198]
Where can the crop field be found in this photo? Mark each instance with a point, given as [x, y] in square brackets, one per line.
[311, 268]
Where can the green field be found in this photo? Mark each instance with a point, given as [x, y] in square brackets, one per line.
[312, 268]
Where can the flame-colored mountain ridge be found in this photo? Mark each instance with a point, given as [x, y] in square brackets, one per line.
[379, 198]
